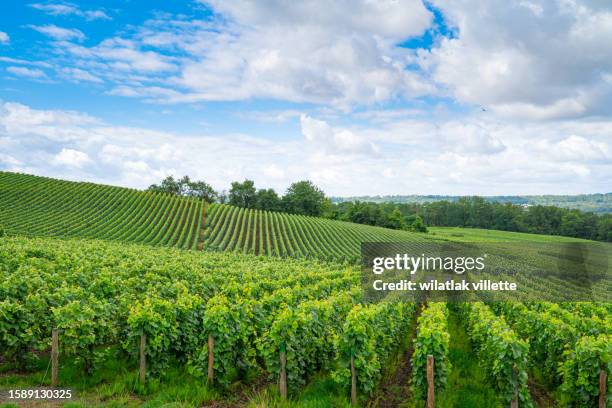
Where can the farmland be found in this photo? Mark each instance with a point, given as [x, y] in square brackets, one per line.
[158, 300]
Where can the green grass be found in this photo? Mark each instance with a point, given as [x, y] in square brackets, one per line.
[321, 392]
[468, 385]
[484, 235]
[115, 384]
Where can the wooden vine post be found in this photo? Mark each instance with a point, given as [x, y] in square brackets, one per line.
[431, 392]
[603, 379]
[211, 359]
[54, 357]
[515, 399]
[282, 382]
[143, 359]
[353, 381]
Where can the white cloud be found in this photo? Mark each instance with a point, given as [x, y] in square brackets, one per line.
[536, 60]
[71, 158]
[411, 156]
[296, 53]
[59, 33]
[80, 75]
[4, 38]
[334, 141]
[34, 73]
[64, 9]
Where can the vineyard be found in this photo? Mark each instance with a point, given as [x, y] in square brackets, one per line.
[99, 294]
[40, 206]
[262, 232]
[279, 319]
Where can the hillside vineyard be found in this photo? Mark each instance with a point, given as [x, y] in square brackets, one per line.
[263, 295]
[40, 206]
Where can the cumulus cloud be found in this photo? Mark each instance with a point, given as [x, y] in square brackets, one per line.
[71, 158]
[535, 60]
[59, 33]
[334, 141]
[4, 38]
[296, 53]
[478, 155]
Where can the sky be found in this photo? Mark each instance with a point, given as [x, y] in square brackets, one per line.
[363, 97]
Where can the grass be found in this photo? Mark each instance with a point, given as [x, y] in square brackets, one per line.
[321, 392]
[468, 385]
[115, 384]
[485, 235]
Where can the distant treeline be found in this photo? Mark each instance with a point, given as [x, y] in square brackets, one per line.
[476, 212]
[303, 197]
[597, 203]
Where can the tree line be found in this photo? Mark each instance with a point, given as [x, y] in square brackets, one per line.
[476, 212]
[305, 198]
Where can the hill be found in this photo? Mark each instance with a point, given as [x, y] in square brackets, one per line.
[40, 206]
[272, 233]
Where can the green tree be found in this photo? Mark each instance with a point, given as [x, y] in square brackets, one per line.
[186, 188]
[395, 220]
[202, 190]
[303, 197]
[268, 200]
[243, 194]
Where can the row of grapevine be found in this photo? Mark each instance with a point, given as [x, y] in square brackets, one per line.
[500, 351]
[369, 335]
[432, 338]
[39, 206]
[272, 233]
[572, 350]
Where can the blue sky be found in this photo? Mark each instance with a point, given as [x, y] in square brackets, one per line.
[386, 97]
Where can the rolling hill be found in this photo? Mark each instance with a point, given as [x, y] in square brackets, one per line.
[39, 206]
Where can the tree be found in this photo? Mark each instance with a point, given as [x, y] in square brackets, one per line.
[186, 188]
[395, 220]
[418, 225]
[243, 194]
[268, 200]
[303, 197]
[202, 190]
[168, 185]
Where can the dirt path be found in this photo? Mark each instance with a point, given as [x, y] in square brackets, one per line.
[394, 390]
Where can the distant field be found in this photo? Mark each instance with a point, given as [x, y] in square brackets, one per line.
[483, 235]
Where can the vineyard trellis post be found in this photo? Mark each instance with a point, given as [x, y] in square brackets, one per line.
[211, 359]
[143, 361]
[431, 392]
[603, 379]
[54, 356]
[515, 399]
[282, 383]
[353, 381]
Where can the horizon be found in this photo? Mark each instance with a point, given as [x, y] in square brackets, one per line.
[436, 101]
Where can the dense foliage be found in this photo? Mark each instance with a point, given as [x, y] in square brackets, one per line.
[432, 338]
[477, 212]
